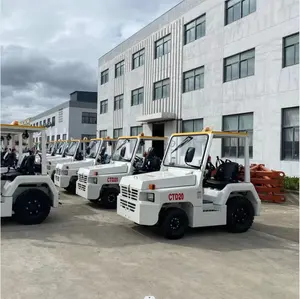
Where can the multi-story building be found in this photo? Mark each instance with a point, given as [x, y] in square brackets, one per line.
[76, 118]
[231, 65]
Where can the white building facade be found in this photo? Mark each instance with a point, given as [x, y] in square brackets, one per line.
[230, 65]
[74, 119]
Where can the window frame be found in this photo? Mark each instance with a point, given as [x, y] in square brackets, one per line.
[104, 78]
[284, 47]
[119, 132]
[140, 94]
[53, 121]
[165, 42]
[118, 102]
[140, 57]
[64, 136]
[164, 83]
[241, 9]
[120, 68]
[196, 20]
[184, 79]
[238, 61]
[104, 103]
[250, 134]
[86, 117]
[137, 130]
[193, 120]
[282, 154]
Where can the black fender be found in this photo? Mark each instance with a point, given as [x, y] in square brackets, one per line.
[109, 186]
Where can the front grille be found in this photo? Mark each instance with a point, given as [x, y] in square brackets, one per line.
[82, 178]
[129, 193]
[81, 187]
[57, 171]
[127, 205]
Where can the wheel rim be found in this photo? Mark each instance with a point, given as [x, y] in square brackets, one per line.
[241, 215]
[33, 207]
[175, 223]
[111, 198]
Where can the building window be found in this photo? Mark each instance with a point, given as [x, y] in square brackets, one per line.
[41, 123]
[138, 59]
[37, 124]
[104, 76]
[135, 131]
[48, 138]
[237, 9]
[161, 89]
[44, 122]
[137, 96]
[194, 29]
[88, 136]
[103, 106]
[239, 66]
[64, 137]
[193, 80]
[163, 46]
[192, 125]
[52, 138]
[48, 121]
[234, 147]
[118, 133]
[57, 137]
[118, 102]
[290, 134]
[119, 69]
[291, 50]
[60, 115]
[102, 133]
[53, 121]
[89, 117]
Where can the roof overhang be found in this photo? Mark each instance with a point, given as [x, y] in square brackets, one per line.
[161, 116]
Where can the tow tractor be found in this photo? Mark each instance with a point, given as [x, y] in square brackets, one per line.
[25, 195]
[101, 183]
[190, 191]
[71, 151]
[98, 152]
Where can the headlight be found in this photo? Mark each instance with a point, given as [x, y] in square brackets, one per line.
[150, 197]
[64, 172]
[95, 180]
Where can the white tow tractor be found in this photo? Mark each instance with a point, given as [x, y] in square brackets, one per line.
[185, 192]
[25, 195]
[98, 152]
[101, 183]
[71, 151]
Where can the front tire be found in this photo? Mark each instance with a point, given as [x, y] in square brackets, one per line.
[32, 207]
[240, 214]
[109, 198]
[174, 224]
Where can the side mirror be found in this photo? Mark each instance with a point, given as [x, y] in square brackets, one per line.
[189, 155]
[122, 152]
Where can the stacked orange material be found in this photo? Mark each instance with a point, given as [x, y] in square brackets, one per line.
[268, 183]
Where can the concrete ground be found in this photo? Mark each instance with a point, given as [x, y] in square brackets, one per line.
[83, 251]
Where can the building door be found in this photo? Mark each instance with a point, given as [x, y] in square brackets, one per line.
[158, 130]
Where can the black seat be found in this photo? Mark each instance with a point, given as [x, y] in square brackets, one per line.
[226, 173]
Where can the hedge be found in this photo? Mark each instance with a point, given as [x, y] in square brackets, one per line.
[291, 183]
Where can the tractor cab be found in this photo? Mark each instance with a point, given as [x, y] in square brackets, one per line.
[98, 151]
[26, 193]
[190, 190]
[132, 155]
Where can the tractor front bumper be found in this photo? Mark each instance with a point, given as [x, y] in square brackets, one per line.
[88, 191]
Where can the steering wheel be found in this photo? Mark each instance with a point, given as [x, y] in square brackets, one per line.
[137, 160]
[219, 162]
[228, 161]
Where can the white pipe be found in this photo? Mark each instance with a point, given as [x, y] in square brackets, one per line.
[247, 162]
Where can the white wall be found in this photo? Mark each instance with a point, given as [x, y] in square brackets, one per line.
[265, 94]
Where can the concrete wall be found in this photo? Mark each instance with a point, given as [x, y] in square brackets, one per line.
[265, 94]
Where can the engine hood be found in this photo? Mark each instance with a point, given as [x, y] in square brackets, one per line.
[104, 169]
[60, 160]
[75, 164]
[161, 179]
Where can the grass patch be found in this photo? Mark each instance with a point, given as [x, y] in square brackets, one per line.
[291, 183]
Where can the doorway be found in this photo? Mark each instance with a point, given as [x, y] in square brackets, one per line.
[158, 130]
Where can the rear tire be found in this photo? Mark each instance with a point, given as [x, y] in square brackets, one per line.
[109, 198]
[174, 224]
[240, 214]
[32, 207]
